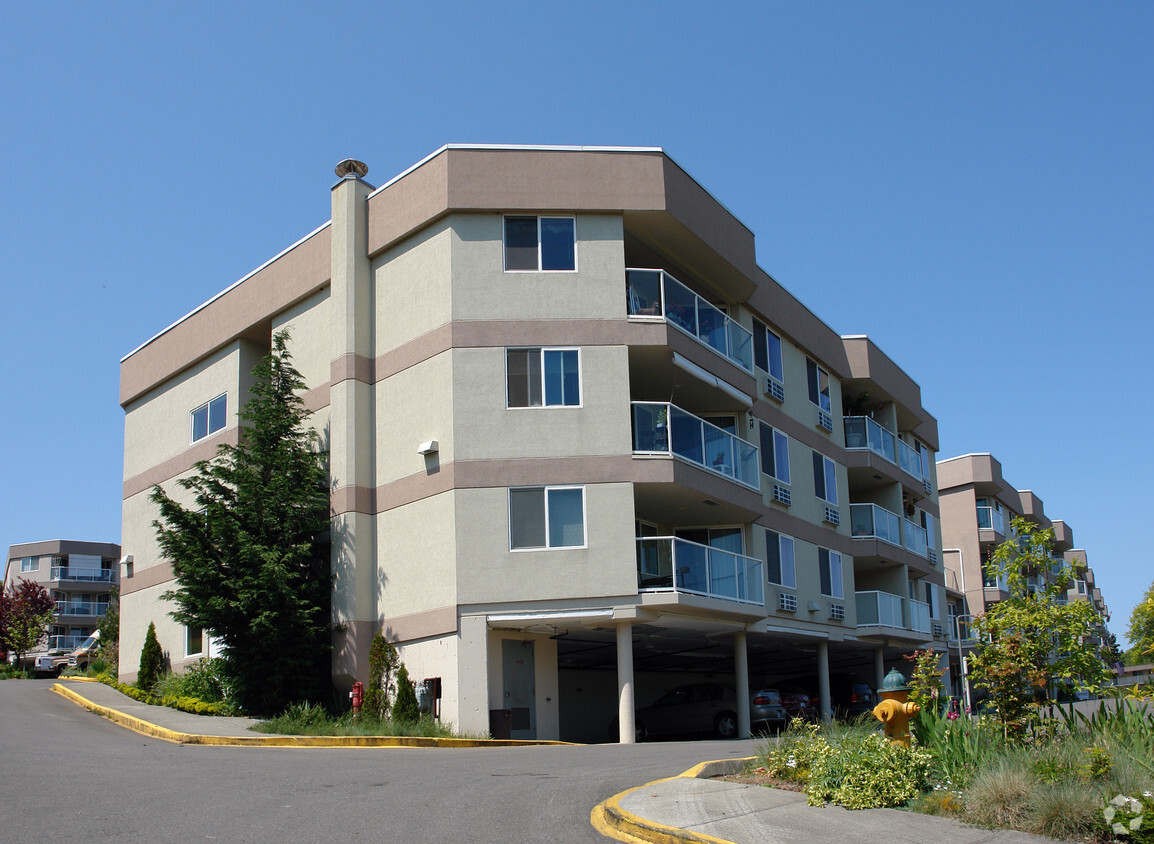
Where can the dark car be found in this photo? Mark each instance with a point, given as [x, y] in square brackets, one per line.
[766, 711]
[798, 704]
[849, 695]
[695, 708]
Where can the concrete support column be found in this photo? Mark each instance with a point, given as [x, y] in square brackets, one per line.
[741, 669]
[351, 428]
[823, 702]
[626, 714]
[879, 666]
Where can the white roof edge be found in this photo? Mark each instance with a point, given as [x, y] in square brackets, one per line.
[236, 283]
[960, 456]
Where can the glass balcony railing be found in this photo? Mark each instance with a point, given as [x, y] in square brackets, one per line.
[861, 432]
[66, 643]
[96, 608]
[662, 428]
[655, 293]
[869, 521]
[910, 459]
[991, 519]
[881, 609]
[666, 563]
[916, 539]
[85, 575]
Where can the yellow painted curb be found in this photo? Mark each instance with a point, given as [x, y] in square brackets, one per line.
[612, 821]
[145, 728]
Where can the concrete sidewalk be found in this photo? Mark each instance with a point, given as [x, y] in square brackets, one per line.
[693, 807]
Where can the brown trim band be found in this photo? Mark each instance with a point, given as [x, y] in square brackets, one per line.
[421, 625]
[351, 366]
[146, 578]
[204, 450]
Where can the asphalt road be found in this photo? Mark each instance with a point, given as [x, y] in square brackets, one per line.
[66, 774]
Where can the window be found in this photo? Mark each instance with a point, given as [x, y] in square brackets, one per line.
[774, 453]
[824, 478]
[208, 418]
[767, 351]
[29, 564]
[725, 539]
[829, 568]
[543, 377]
[193, 641]
[932, 600]
[779, 559]
[540, 243]
[818, 385]
[546, 517]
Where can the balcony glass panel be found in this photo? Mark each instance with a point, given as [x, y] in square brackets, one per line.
[660, 428]
[86, 575]
[94, 608]
[910, 459]
[989, 518]
[668, 563]
[862, 432]
[65, 643]
[916, 539]
[656, 293]
[872, 521]
[919, 617]
[879, 609]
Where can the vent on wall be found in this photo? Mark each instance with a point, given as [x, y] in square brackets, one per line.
[824, 420]
[938, 630]
[832, 515]
[773, 388]
[933, 555]
[787, 602]
[781, 494]
[837, 611]
[928, 486]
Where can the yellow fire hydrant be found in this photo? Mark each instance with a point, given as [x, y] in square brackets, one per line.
[894, 711]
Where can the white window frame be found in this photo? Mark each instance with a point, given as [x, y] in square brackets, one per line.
[207, 408]
[548, 546]
[831, 560]
[829, 468]
[761, 326]
[783, 540]
[543, 350]
[819, 371]
[29, 564]
[539, 218]
[201, 650]
[778, 439]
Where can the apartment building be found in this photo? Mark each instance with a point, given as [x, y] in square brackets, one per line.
[977, 508]
[79, 576]
[583, 448]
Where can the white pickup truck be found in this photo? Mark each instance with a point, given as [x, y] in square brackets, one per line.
[79, 658]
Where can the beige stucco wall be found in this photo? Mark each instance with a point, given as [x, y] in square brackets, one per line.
[309, 324]
[490, 572]
[416, 547]
[412, 407]
[411, 286]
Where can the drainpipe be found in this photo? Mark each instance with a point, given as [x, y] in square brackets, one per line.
[958, 626]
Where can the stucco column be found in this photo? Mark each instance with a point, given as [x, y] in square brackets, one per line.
[741, 670]
[351, 426]
[626, 716]
[823, 703]
[879, 666]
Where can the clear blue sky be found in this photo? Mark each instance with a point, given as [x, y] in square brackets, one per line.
[909, 170]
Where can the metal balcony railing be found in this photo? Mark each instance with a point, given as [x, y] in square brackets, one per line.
[655, 293]
[869, 521]
[84, 575]
[667, 563]
[861, 432]
[991, 519]
[94, 608]
[663, 428]
[881, 609]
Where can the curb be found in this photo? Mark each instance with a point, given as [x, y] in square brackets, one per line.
[612, 821]
[145, 728]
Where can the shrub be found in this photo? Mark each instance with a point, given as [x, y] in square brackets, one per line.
[1131, 818]
[791, 756]
[405, 710]
[1000, 794]
[383, 661]
[1064, 810]
[868, 772]
[151, 661]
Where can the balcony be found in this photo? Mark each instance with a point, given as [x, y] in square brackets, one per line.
[657, 294]
[881, 609]
[669, 564]
[910, 459]
[92, 608]
[991, 519]
[916, 539]
[869, 521]
[662, 428]
[861, 432]
[81, 575]
[66, 643]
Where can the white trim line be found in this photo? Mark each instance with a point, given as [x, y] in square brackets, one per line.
[236, 283]
[576, 615]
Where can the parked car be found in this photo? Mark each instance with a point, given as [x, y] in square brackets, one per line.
[798, 704]
[55, 662]
[766, 711]
[849, 695]
[694, 708]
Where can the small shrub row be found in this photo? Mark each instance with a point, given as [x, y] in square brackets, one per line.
[309, 719]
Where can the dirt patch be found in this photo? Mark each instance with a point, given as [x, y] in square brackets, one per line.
[757, 776]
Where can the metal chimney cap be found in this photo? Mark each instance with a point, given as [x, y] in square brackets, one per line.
[351, 167]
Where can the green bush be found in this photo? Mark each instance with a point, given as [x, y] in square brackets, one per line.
[1131, 818]
[405, 709]
[383, 661]
[867, 773]
[151, 661]
[791, 756]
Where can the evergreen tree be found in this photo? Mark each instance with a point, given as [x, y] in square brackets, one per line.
[405, 710]
[1141, 631]
[151, 661]
[251, 555]
[383, 662]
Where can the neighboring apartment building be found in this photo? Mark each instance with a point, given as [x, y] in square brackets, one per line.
[79, 576]
[978, 506]
[582, 447]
